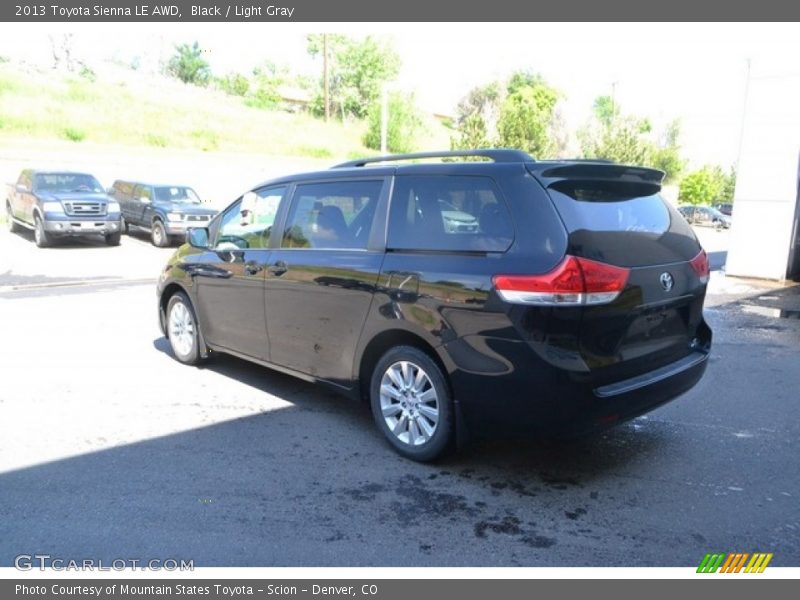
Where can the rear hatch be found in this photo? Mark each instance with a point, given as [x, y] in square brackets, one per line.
[615, 216]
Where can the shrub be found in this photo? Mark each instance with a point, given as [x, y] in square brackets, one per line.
[73, 134]
[234, 84]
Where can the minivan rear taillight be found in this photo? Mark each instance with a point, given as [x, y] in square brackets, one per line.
[575, 281]
[700, 266]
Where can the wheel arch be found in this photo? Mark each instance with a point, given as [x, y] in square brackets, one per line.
[385, 340]
[168, 292]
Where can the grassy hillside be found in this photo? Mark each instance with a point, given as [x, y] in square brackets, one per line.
[135, 110]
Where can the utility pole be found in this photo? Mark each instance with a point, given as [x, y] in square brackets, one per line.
[325, 76]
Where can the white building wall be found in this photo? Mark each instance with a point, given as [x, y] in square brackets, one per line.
[767, 176]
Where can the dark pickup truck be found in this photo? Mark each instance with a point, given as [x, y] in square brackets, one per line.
[166, 211]
[58, 203]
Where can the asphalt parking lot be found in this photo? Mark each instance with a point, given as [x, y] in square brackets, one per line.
[110, 449]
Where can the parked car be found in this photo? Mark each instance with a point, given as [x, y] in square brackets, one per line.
[705, 216]
[577, 303]
[59, 204]
[457, 221]
[162, 209]
[725, 208]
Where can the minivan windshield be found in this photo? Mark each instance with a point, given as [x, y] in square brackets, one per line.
[61, 183]
[172, 193]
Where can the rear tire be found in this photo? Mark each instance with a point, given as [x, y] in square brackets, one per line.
[40, 236]
[113, 239]
[182, 329]
[158, 235]
[411, 404]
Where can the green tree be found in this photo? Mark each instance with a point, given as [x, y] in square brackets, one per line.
[605, 109]
[728, 187]
[526, 116]
[667, 153]
[629, 139]
[403, 125]
[188, 64]
[707, 185]
[357, 70]
[472, 133]
[478, 111]
[267, 78]
[522, 113]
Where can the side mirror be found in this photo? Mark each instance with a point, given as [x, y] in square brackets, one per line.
[144, 200]
[197, 237]
[22, 187]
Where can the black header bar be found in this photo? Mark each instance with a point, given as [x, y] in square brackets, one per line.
[342, 11]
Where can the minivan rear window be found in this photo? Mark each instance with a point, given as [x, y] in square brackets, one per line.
[622, 223]
[603, 207]
[448, 213]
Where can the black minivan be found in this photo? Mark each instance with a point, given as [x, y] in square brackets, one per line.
[454, 296]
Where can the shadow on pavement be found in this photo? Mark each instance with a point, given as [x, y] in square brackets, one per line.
[311, 484]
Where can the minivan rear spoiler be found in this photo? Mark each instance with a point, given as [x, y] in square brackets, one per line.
[550, 174]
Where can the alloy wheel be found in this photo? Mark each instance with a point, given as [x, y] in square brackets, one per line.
[181, 329]
[409, 403]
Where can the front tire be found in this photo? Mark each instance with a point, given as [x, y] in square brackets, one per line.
[158, 235]
[40, 236]
[182, 329]
[113, 239]
[411, 404]
[11, 224]
[123, 226]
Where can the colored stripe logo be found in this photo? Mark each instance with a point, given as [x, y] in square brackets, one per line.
[735, 562]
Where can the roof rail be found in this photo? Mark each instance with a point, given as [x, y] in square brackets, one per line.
[496, 154]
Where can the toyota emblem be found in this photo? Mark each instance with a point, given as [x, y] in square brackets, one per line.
[666, 281]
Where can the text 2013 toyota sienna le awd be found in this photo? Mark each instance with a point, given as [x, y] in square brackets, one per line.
[550, 295]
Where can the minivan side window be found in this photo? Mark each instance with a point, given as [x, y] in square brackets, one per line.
[330, 215]
[248, 223]
[448, 213]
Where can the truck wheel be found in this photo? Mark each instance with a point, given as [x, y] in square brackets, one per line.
[411, 403]
[182, 329]
[158, 235]
[40, 236]
[11, 224]
[113, 239]
[123, 226]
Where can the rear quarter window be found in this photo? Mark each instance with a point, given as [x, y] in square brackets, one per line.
[448, 213]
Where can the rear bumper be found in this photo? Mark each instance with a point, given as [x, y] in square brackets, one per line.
[634, 398]
[532, 396]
